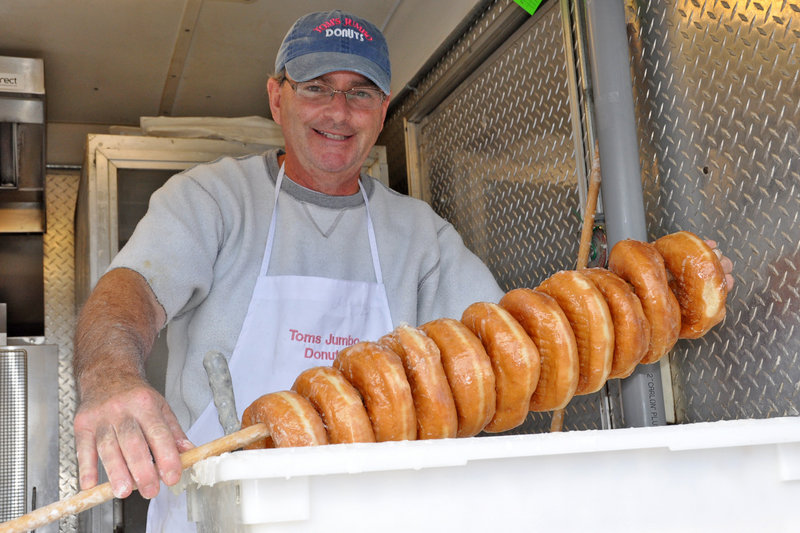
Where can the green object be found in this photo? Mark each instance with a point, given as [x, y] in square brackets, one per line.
[529, 5]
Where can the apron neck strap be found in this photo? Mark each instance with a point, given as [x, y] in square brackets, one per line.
[373, 243]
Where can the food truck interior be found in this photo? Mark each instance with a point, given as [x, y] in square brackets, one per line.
[494, 117]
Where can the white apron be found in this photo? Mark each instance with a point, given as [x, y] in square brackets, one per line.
[292, 323]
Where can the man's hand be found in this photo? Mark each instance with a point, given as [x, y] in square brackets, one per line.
[727, 264]
[129, 425]
[121, 418]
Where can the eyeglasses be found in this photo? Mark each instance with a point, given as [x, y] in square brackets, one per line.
[316, 92]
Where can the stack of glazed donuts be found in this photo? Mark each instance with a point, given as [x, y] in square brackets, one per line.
[532, 351]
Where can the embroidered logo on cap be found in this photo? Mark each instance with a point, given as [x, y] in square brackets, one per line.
[353, 29]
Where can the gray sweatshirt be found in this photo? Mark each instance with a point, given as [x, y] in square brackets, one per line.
[201, 243]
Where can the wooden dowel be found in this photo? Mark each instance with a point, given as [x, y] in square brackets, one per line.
[588, 221]
[557, 420]
[88, 498]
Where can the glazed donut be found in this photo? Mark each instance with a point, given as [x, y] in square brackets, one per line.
[290, 419]
[590, 319]
[631, 328]
[469, 373]
[433, 401]
[640, 264]
[338, 403]
[548, 327]
[698, 282]
[515, 362]
[377, 373]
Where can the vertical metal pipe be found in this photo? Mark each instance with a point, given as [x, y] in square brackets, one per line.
[642, 393]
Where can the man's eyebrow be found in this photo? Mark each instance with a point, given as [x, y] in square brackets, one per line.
[364, 83]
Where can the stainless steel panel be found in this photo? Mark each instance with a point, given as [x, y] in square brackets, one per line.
[43, 427]
[718, 105]
[19, 110]
[13, 396]
[22, 75]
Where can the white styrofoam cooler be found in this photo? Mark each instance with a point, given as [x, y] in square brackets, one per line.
[741, 475]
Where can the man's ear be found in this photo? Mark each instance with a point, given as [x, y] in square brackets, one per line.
[274, 93]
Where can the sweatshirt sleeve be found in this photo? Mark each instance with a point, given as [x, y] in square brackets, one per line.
[456, 281]
[175, 245]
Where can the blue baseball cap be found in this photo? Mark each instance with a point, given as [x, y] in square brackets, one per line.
[319, 43]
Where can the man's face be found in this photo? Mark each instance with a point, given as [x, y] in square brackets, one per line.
[328, 140]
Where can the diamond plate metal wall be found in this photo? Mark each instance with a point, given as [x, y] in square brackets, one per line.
[718, 108]
[499, 154]
[59, 299]
[393, 134]
[499, 157]
[718, 105]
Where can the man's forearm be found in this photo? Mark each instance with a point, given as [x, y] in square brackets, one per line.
[115, 331]
[121, 419]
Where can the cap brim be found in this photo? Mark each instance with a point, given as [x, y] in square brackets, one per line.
[310, 66]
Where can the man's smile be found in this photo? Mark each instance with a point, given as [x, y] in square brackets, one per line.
[332, 136]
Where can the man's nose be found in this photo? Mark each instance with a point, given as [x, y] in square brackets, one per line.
[338, 104]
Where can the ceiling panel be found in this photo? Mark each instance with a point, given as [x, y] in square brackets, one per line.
[107, 62]
[104, 60]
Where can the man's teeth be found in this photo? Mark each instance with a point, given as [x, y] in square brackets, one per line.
[333, 136]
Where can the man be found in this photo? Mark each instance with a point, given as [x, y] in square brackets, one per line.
[276, 260]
